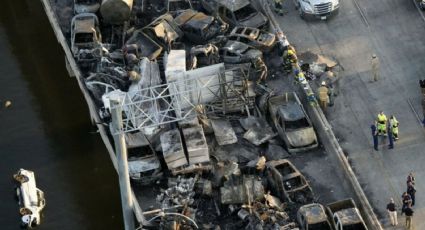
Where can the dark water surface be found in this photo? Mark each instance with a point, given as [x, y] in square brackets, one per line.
[47, 129]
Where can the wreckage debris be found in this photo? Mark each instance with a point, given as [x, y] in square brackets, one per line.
[184, 74]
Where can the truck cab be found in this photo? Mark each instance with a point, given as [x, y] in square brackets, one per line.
[317, 8]
[31, 199]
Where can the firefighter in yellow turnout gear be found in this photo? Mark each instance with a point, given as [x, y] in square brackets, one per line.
[394, 126]
[382, 124]
[278, 7]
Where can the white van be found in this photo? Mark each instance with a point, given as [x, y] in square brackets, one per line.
[31, 199]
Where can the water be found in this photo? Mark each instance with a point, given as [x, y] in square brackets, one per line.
[47, 129]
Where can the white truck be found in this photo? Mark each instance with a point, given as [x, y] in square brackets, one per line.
[317, 8]
[31, 199]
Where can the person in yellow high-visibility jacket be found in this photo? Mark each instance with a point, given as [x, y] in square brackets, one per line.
[394, 126]
[382, 123]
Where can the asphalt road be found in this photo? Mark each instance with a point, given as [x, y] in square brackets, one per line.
[394, 30]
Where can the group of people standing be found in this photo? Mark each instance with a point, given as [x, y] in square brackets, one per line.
[385, 127]
[408, 201]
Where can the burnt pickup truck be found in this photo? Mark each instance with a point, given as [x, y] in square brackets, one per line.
[313, 217]
[345, 215]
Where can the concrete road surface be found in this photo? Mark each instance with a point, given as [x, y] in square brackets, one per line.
[395, 31]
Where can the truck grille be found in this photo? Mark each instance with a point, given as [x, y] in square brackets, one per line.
[323, 8]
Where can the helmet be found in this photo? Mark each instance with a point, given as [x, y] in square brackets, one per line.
[323, 83]
[373, 55]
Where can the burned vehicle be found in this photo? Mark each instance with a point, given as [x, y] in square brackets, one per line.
[177, 6]
[292, 123]
[85, 37]
[345, 215]
[313, 217]
[145, 46]
[288, 183]
[163, 30]
[254, 37]
[143, 165]
[199, 27]
[86, 6]
[236, 12]
[235, 52]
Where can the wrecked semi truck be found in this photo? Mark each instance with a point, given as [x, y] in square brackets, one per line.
[345, 215]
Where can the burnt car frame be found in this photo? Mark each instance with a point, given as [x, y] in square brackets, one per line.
[235, 52]
[85, 36]
[254, 37]
[288, 183]
[199, 27]
[292, 122]
[236, 12]
[313, 216]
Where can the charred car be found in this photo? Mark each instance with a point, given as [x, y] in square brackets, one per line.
[236, 12]
[85, 37]
[163, 30]
[292, 123]
[204, 55]
[254, 37]
[199, 27]
[312, 217]
[235, 52]
[288, 183]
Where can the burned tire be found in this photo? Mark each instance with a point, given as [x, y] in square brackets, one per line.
[25, 211]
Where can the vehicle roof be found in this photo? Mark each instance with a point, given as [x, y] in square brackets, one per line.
[314, 213]
[253, 32]
[194, 19]
[233, 5]
[348, 216]
[235, 46]
[291, 112]
[84, 25]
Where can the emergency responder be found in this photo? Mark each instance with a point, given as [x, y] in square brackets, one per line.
[278, 7]
[382, 123]
[394, 126]
[323, 92]
[332, 79]
[261, 68]
[375, 67]
[311, 98]
[289, 58]
[299, 77]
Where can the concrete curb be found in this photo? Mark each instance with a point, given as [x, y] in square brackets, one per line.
[331, 144]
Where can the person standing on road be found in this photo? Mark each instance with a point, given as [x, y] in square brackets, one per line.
[409, 217]
[412, 192]
[323, 92]
[406, 201]
[394, 127]
[392, 212]
[390, 136]
[382, 123]
[278, 7]
[410, 178]
[375, 67]
[374, 135]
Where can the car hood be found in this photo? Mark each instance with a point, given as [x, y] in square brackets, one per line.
[315, 2]
[301, 137]
[255, 21]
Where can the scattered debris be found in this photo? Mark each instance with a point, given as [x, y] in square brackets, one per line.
[223, 131]
[7, 104]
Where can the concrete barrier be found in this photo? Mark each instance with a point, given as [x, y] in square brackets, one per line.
[329, 141]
